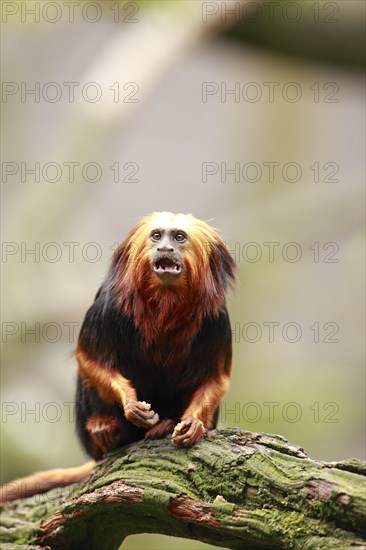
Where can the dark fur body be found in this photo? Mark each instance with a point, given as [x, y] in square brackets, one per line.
[107, 333]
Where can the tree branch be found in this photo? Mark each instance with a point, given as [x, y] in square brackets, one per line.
[235, 489]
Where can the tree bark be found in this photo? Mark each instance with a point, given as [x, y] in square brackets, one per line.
[235, 490]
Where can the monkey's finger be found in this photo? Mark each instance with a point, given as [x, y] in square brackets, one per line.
[195, 432]
[197, 435]
[181, 428]
[143, 422]
[149, 419]
[181, 439]
[133, 409]
[152, 421]
[145, 414]
[141, 408]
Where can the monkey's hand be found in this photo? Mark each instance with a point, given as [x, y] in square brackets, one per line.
[140, 414]
[188, 432]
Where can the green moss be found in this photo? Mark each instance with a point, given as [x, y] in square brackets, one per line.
[223, 510]
[291, 525]
[156, 497]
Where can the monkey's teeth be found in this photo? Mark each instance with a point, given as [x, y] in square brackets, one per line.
[158, 268]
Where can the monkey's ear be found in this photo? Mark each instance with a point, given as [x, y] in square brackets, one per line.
[222, 265]
[118, 254]
[131, 246]
[124, 252]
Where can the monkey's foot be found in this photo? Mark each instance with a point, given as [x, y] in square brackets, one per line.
[105, 433]
[140, 414]
[161, 429]
[188, 432]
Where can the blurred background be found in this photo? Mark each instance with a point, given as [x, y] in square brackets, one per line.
[249, 115]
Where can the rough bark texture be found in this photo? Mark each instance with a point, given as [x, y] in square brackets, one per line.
[235, 489]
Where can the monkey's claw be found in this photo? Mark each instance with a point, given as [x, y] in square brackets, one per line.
[188, 432]
[140, 414]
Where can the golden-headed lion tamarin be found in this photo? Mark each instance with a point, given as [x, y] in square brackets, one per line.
[154, 350]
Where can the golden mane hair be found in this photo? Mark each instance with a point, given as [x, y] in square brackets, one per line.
[208, 271]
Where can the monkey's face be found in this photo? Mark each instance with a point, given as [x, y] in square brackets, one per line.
[176, 251]
[167, 253]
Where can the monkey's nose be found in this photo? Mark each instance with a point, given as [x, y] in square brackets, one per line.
[165, 249]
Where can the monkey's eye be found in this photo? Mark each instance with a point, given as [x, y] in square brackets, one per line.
[156, 236]
[180, 237]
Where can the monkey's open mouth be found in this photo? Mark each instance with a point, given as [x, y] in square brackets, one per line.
[166, 266]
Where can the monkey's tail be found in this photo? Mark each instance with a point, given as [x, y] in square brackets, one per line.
[41, 482]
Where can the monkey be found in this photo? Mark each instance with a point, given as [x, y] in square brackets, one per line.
[154, 352]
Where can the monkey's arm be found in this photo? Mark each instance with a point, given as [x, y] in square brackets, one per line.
[214, 350]
[113, 387]
[199, 413]
[206, 400]
[109, 383]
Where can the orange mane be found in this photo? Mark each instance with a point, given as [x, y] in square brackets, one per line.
[158, 309]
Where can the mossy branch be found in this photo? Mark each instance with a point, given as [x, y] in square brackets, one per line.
[235, 490]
